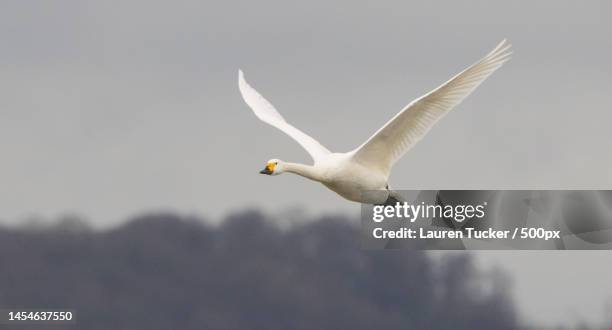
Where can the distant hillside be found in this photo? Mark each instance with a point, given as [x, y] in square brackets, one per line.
[168, 272]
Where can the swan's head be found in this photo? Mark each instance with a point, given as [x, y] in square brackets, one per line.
[273, 167]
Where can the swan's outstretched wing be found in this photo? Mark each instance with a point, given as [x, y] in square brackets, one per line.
[404, 130]
[265, 111]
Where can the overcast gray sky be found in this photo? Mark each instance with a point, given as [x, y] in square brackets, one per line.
[108, 109]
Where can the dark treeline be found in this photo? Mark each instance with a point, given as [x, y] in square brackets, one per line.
[170, 272]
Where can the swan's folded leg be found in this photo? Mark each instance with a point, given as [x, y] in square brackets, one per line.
[394, 198]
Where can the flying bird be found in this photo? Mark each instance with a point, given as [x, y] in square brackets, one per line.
[367, 167]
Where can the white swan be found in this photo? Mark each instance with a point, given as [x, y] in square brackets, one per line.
[367, 167]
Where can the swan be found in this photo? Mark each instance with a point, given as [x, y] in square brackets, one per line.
[367, 167]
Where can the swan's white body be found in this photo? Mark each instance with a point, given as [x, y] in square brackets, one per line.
[348, 178]
[367, 167]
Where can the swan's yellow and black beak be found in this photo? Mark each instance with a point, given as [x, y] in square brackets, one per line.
[269, 169]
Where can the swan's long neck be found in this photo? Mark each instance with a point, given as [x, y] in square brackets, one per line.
[306, 171]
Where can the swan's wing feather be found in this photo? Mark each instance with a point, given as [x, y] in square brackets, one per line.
[413, 122]
[265, 111]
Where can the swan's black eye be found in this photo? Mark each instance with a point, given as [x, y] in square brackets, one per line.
[275, 163]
